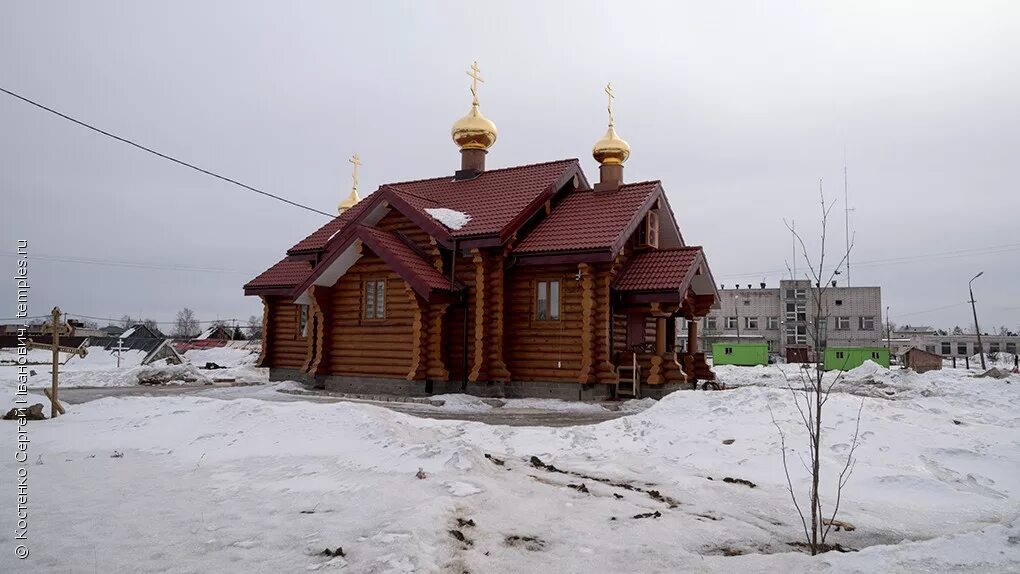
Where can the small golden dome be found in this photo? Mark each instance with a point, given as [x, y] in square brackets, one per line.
[351, 201]
[611, 149]
[474, 131]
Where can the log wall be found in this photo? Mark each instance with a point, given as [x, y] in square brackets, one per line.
[372, 347]
[544, 350]
[287, 349]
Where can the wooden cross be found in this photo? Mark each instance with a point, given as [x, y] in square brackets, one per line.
[354, 176]
[120, 348]
[56, 327]
[476, 76]
[609, 92]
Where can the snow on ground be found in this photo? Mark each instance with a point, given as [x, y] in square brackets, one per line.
[250, 485]
[449, 217]
[460, 403]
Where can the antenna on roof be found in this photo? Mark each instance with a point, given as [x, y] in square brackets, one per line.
[846, 216]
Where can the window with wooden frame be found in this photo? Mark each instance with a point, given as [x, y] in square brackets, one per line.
[302, 322]
[648, 231]
[547, 300]
[374, 299]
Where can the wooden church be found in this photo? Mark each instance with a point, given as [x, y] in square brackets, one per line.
[510, 282]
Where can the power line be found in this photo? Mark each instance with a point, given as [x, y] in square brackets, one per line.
[162, 155]
[140, 320]
[988, 250]
[131, 264]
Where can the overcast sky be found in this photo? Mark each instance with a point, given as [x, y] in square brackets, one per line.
[739, 108]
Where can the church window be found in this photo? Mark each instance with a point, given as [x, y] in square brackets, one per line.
[375, 299]
[547, 300]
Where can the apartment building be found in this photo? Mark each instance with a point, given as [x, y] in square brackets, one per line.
[784, 317]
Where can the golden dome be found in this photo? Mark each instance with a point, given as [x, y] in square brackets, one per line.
[474, 131]
[351, 201]
[611, 149]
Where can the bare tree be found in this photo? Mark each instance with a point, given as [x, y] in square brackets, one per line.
[254, 327]
[186, 324]
[126, 321]
[811, 392]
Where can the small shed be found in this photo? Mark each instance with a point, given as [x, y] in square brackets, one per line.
[846, 358]
[743, 354]
[920, 360]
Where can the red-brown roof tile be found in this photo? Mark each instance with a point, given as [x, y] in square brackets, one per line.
[589, 219]
[660, 270]
[318, 239]
[284, 273]
[393, 250]
[494, 199]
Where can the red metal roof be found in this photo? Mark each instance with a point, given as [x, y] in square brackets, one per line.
[589, 219]
[284, 273]
[494, 200]
[317, 240]
[405, 261]
[660, 270]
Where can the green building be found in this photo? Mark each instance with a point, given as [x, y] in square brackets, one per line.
[743, 354]
[846, 358]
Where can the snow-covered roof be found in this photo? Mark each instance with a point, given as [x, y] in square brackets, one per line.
[450, 218]
[127, 333]
[206, 334]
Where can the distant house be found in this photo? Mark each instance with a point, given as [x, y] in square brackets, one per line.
[217, 332]
[112, 330]
[141, 331]
[920, 360]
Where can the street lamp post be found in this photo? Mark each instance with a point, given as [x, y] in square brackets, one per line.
[973, 307]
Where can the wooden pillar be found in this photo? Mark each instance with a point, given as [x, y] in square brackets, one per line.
[692, 336]
[264, 353]
[435, 368]
[478, 369]
[419, 338]
[605, 370]
[660, 335]
[497, 289]
[586, 373]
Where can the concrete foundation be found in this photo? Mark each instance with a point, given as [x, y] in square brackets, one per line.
[363, 385]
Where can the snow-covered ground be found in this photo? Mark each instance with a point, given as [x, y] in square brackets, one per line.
[249, 485]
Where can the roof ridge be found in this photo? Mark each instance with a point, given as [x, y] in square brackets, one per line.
[450, 177]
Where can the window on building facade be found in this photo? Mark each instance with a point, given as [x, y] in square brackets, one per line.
[710, 324]
[930, 348]
[947, 348]
[796, 335]
[789, 293]
[747, 302]
[839, 301]
[302, 320]
[800, 294]
[772, 323]
[728, 351]
[1011, 348]
[751, 322]
[731, 322]
[866, 323]
[961, 348]
[874, 355]
[375, 299]
[840, 355]
[796, 311]
[547, 300]
[842, 323]
[993, 347]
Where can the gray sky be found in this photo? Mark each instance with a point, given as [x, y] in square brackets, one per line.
[739, 108]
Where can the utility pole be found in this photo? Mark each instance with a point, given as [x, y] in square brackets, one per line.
[888, 332]
[846, 217]
[793, 242]
[736, 311]
[973, 307]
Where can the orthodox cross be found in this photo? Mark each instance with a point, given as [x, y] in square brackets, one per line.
[356, 161]
[609, 92]
[56, 327]
[120, 348]
[476, 76]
